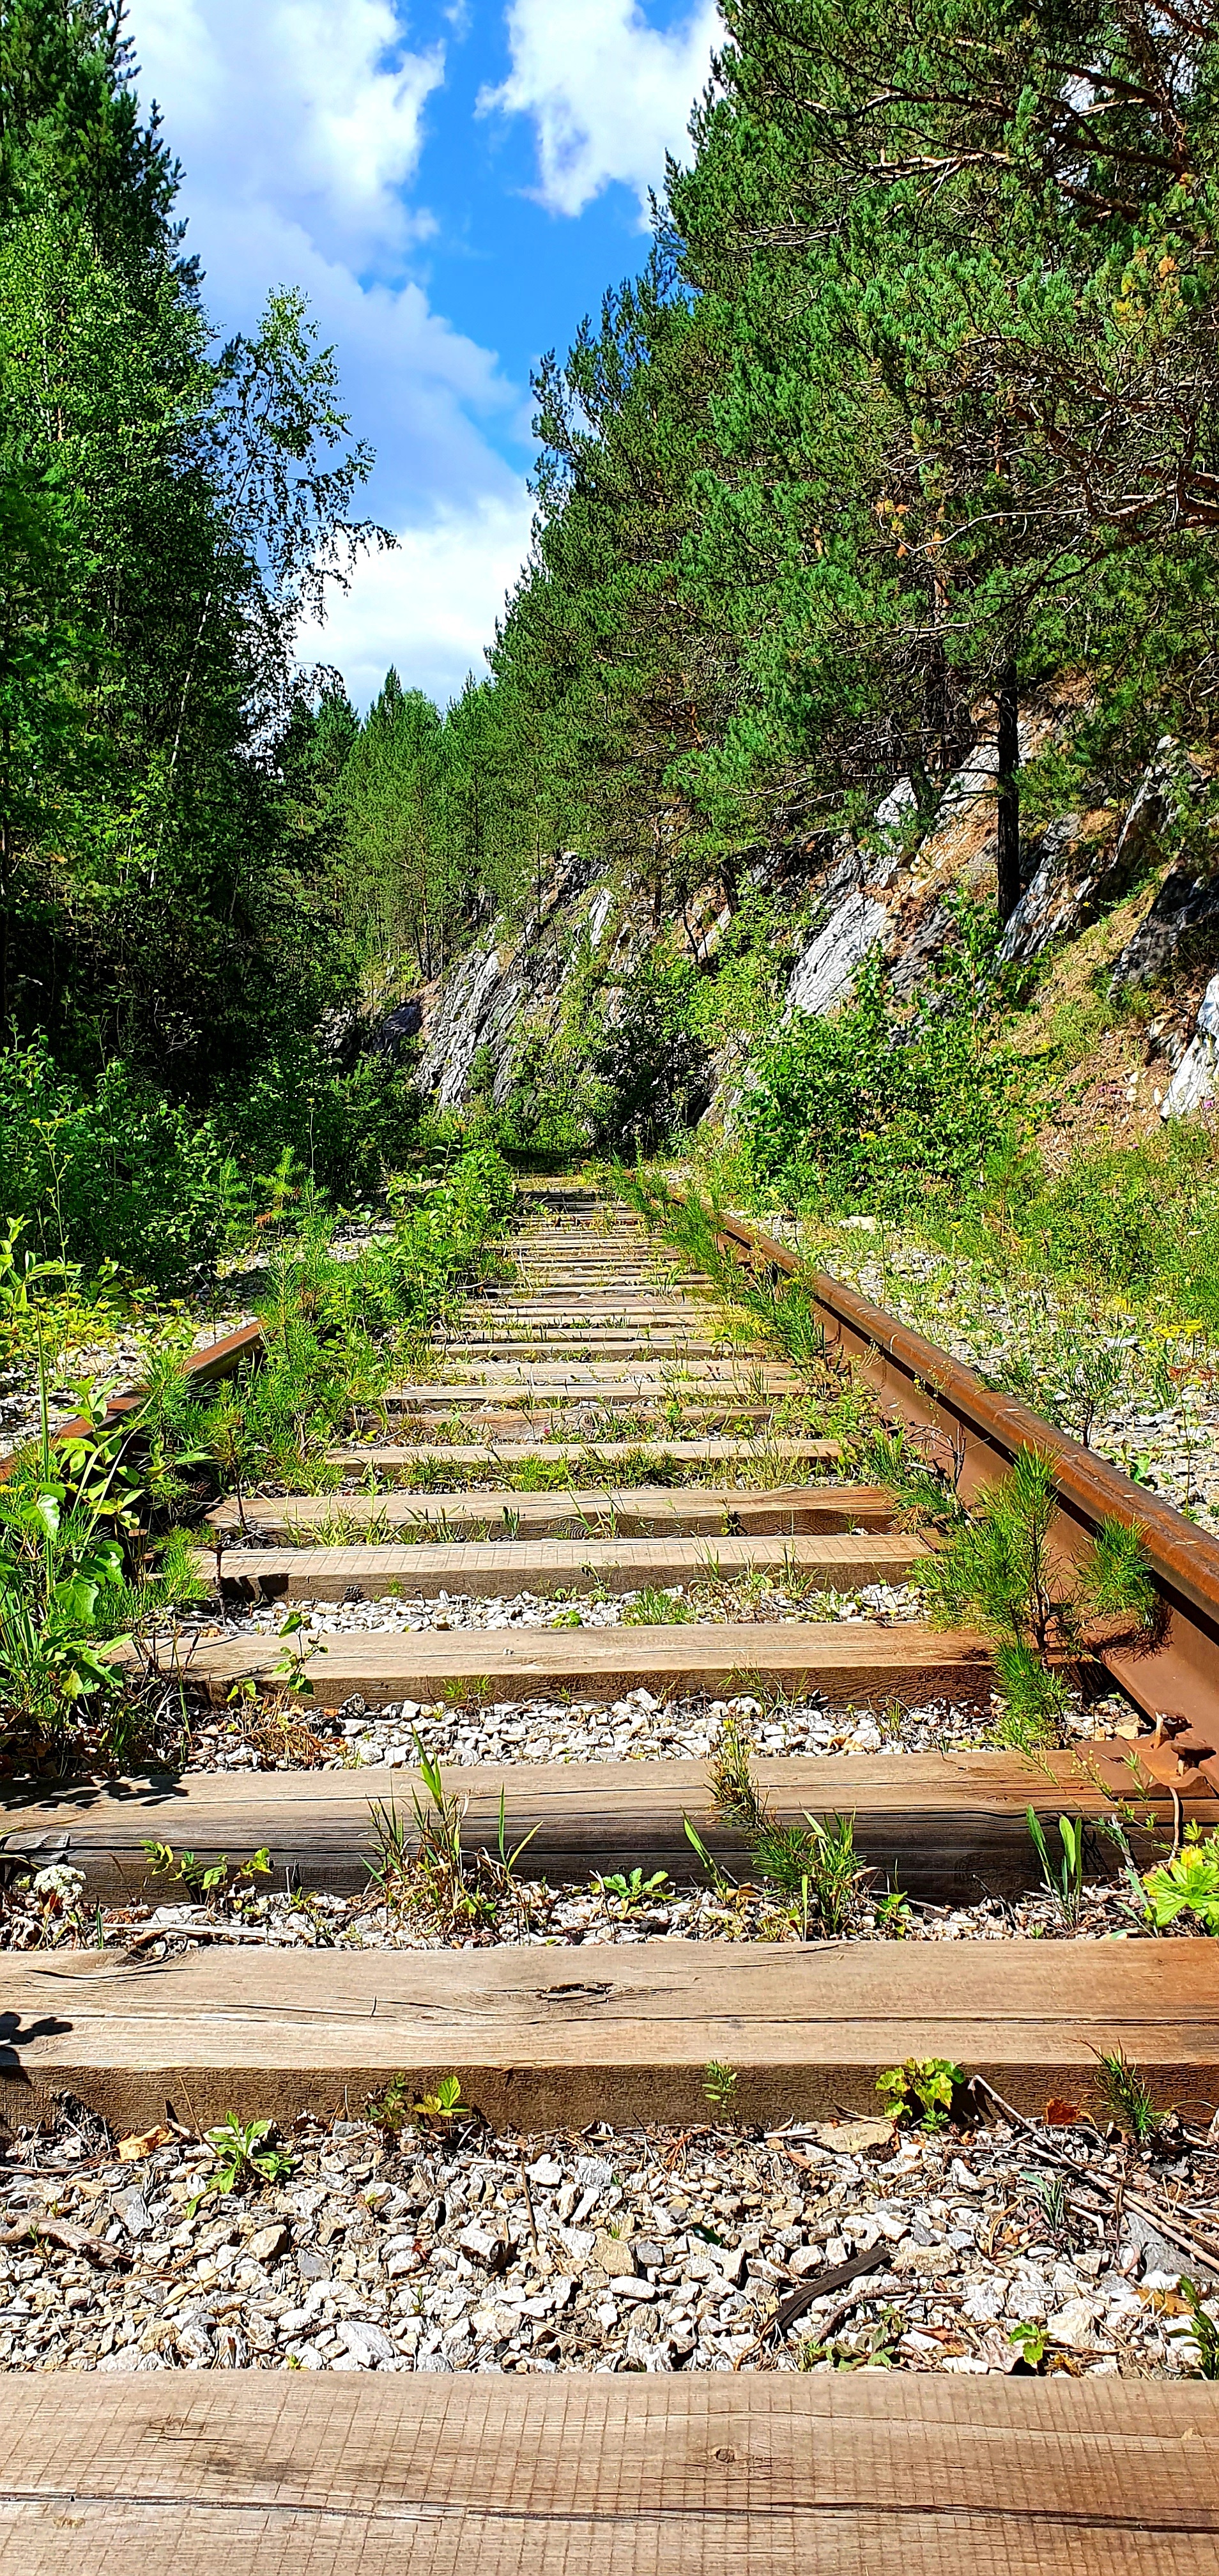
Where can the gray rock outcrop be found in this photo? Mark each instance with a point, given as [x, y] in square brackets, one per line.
[1180, 930]
[826, 971]
[1196, 1080]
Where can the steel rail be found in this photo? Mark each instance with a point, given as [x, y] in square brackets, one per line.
[215, 1360]
[1172, 1675]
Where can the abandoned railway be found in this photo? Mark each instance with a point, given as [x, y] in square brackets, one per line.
[491, 1576]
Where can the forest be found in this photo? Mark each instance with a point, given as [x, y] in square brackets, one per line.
[909, 412]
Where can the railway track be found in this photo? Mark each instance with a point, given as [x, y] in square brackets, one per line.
[691, 1471]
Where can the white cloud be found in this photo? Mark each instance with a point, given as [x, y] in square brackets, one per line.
[429, 607]
[315, 105]
[608, 94]
[298, 124]
[412, 383]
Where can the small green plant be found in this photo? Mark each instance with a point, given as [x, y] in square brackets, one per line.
[443, 2111]
[1125, 2094]
[1063, 1880]
[870, 2348]
[720, 1882]
[246, 2155]
[436, 1876]
[1032, 2342]
[289, 1671]
[390, 1867]
[888, 1458]
[999, 1569]
[816, 1863]
[392, 2110]
[1137, 1896]
[634, 1891]
[1201, 2330]
[508, 1859]
[893, 1913]
[1050, 2191]
[922, 2089]
[1188, 1883]
[719, 2087]
[209, 1882]
[656, 1609]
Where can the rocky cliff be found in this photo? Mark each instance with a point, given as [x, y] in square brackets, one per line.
[1137, 872]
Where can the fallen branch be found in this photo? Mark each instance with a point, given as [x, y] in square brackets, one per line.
[793, 2306]
[1166, 2225]
[155, 1932]
[75, 2240]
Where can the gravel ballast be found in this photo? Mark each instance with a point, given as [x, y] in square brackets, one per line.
[645, 2251]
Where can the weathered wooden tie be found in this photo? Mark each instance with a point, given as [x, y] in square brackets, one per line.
[545, 2039]
[947, 1828]
[843, 2473]
[393, 1458]
[840, 1662]
[633, 1511]
[499, 1569]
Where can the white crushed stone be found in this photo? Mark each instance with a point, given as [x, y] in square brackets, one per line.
[633, 2251]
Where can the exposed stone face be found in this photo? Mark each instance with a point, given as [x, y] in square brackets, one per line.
[508, 979]
[1196, 1080]
[826, 971]
[1180, 930]
[455, 1033]
[895, 808]
[394, 1033]
[1075, 875]
[837, 899]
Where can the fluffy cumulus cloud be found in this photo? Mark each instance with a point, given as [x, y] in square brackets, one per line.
[314, 106]
[608, 93]
[298, 124]
[429, 607]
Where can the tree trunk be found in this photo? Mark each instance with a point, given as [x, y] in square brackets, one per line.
[1009, 794]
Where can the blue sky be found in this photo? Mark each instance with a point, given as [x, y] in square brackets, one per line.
[453, 186]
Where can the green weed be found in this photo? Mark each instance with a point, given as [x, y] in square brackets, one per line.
[1201, 2331]
[656, 1609]
[246, 2155]
[1187, 1883]
[634, 1891]
[999, 1570]
[922, 2089]
[1125, 2094]
[719, 2087]
[816, 1864]
[215, 1883]
[1064, 1879]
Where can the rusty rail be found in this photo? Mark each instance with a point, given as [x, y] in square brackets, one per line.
[217, 1359]
[1173, 1675]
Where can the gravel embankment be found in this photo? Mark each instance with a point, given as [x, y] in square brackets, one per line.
[1170, 1447]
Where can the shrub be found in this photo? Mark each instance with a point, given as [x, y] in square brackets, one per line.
[113, 1174]
[649, 1068]
[866, 1105]
[118, 1173]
